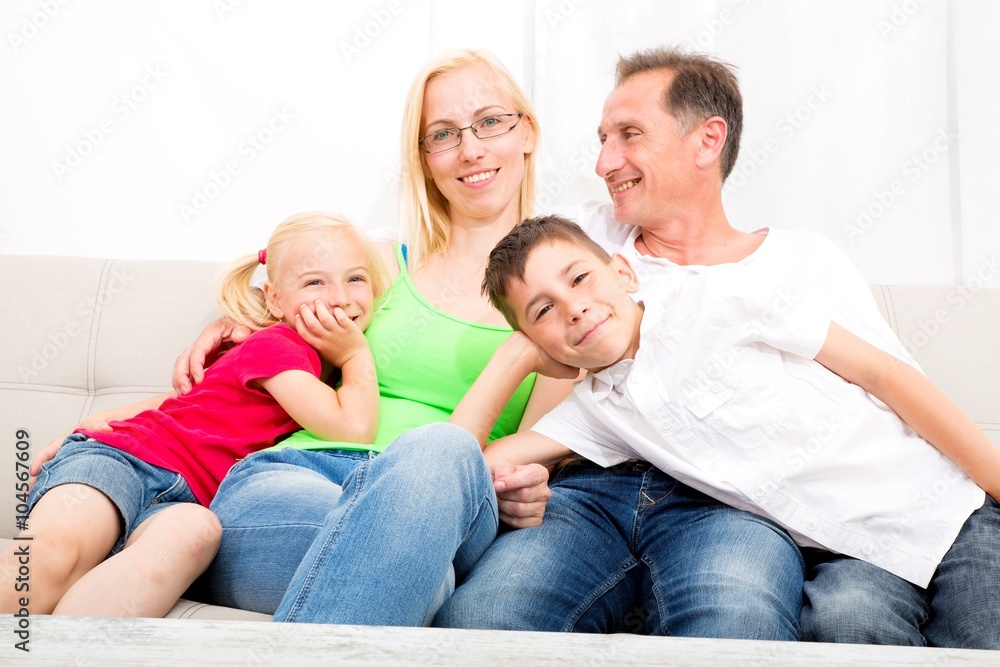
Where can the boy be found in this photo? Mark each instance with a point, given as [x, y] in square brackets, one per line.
[820, 456]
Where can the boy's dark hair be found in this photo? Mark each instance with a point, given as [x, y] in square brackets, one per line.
[702, 87]
[508, 258]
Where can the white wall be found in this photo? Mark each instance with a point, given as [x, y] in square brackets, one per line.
[188, 129]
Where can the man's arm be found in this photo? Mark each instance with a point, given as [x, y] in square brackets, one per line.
[917, 401]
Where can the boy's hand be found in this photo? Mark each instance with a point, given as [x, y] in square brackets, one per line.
[331, 333]
[522, 492]
[541, 362]
[189, 369]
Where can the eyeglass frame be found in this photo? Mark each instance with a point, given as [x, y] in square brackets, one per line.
[470, 126]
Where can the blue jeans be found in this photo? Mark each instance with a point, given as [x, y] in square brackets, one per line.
[630, 549]
[138, 489]
[852, 601]
[336, 536]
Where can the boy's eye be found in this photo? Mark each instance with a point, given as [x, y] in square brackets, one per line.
[578, 279]
[542, 311]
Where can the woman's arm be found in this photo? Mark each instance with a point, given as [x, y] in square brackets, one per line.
[99, 421]
[348, 414]
[917, 401]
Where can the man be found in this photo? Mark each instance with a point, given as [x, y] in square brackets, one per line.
[630, 548]
[670, 135]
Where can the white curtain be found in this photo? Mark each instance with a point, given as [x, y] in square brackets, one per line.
[190, 128]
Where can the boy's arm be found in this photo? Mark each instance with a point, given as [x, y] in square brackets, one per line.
[519, 463]
[917, 401]
[514, 360]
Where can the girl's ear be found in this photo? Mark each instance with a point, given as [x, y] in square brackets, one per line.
[273, 304]
[630, 281]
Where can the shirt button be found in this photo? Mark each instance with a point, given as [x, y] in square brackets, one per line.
[716, 387]
[714, 465]
[811, 525]
[759, 493]
[867, 550]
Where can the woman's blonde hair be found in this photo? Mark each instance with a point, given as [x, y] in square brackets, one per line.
[423, 208]
[245, 305]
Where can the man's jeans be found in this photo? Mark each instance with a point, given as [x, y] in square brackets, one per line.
[849, 600]
[335, 536]
[630, 549]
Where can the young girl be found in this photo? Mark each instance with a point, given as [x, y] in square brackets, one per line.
[139, 488]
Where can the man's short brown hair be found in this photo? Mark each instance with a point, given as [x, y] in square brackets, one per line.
[702, 87]
[509, 257]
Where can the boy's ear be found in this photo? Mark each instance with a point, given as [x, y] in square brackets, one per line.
[271, 298]
[630, 281]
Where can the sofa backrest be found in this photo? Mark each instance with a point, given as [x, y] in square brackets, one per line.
[85, 335]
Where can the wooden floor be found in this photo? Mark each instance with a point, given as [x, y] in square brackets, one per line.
[94, 641]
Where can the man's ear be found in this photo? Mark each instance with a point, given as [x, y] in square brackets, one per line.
[712, 136]
[630, 281]
[271, 298]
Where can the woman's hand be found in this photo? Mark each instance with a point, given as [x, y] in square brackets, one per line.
[189, 369]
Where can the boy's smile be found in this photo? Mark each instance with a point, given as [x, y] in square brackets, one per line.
[576, 307]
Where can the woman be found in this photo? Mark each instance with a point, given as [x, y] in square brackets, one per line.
[330, 532]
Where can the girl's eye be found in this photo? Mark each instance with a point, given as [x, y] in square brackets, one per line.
[316, 281]
[356, 279]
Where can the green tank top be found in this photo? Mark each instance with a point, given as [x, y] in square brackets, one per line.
[426, 360]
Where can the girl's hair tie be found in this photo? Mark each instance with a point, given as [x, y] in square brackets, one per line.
[262, 256]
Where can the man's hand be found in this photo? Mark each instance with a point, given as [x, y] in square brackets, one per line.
[522, 492]
[331, 333]
[189, 369]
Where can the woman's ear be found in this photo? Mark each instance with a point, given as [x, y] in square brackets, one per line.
[529, 134]
[630, 281]
[271, 298]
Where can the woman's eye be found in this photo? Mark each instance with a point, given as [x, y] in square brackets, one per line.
[489, 122]
[442, 135]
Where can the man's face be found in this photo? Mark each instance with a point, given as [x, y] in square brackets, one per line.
[646, 164]
[576, 307]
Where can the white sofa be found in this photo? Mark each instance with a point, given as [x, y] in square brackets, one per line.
[84, 335]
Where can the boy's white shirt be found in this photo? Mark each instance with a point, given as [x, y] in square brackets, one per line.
[724, 396]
